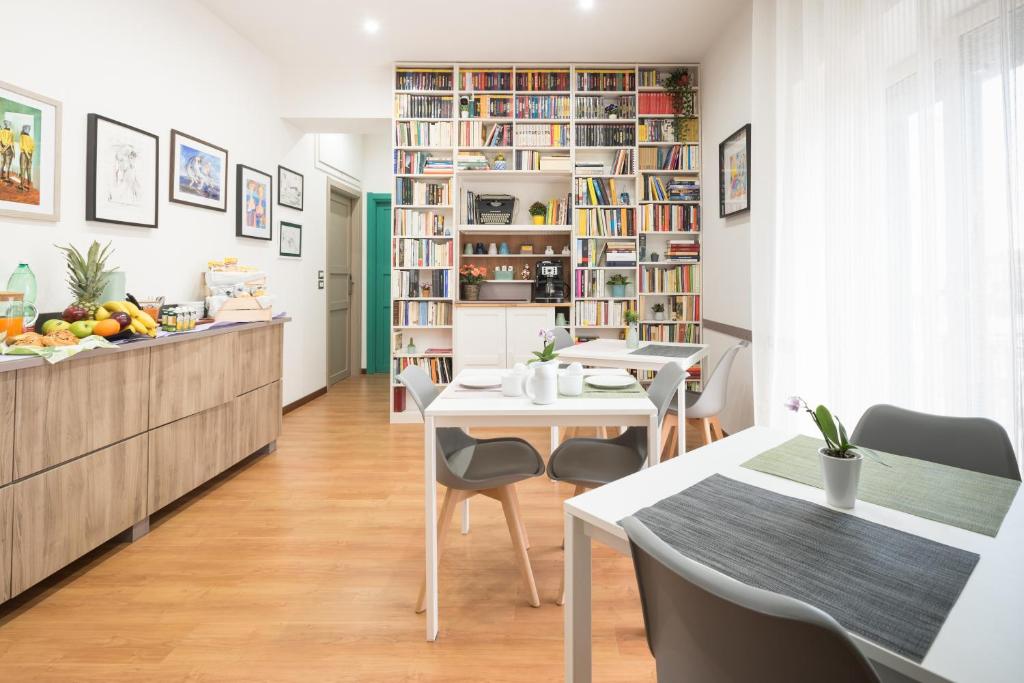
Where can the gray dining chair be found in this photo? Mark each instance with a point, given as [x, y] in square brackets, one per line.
[467, 466]
[703, 405]
[705, 626]
[562, 338]
[970, 443]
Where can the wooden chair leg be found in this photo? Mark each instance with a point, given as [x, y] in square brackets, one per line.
[504, 494]
[514, 497]
[561, 589]
[669, 436]
[602, 432]
[452, 498]
[706, 424]
[717, 427]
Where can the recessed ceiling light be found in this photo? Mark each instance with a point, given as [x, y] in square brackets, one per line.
[371, 25]
[586, 5]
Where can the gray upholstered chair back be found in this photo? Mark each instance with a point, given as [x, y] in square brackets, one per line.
[970, 443]
[704, 626]
[562, 338]
[712, 398]
[663, 388]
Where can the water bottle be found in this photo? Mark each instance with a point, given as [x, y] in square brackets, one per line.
[24, 280]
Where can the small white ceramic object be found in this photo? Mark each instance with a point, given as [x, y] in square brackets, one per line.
[610, 381]
[542, 382]
[841, 477]
[570, 382]
[481, 382]
[512, 385]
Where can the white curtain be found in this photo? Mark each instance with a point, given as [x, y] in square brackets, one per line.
[895, 231]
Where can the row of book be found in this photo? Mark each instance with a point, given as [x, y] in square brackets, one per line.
[621, 164]
[605, 253]
[423, 79]
[497, 106]
[683, 251]
[410, 252]
[674, 189]
[674, 158]
[421, 162]
[598, 107]
[587, 79]
[543, 79]
[605, 135]
[599, 191]
[423, 133]
[652, 78]
[605, 222]
[485, 80]
[542, 135]
[602, 313]
[439, 369]
[661, 103]
[421, 313]
[592, 284]
[684, 307]
[669, 218]
[415, 283]
[684, 334]
[409, 191]
[415, 223]
[543, 107]
[675, 280]
[557, 211]
[423, 106]
[533, 160]
[656, 130]
[480, 134]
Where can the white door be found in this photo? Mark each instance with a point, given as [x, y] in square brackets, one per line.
[522, 331]
[479, 337]
[339, 287]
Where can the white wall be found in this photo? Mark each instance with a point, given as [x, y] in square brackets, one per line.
[157, 66]
[725, 90]
[377, 163]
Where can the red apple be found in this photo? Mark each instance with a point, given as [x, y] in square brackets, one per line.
[74, 313]
[123, 319]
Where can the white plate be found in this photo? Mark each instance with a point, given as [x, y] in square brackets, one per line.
[610, 381]
[481, 382]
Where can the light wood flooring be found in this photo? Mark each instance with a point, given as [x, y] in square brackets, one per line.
[304, 565]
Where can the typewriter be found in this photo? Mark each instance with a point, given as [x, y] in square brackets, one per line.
[495, 209]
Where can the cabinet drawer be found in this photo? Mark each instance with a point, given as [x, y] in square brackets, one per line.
[78, 406]
[63, 513]
[257, 419]
[258, 357]
[190, 376]
[8, 385]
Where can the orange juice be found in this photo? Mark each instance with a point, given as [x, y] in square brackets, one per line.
[11, 313]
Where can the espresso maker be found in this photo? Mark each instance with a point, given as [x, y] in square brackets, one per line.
[550, 287]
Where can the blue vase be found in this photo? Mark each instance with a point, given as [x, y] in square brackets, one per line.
[503, 249]
[618, 290]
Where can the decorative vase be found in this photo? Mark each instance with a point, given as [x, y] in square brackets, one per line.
[542, 382]
[470, 292]
[841, 477]
[538, 220]
[633, 336]
[659, 316]
[618, 291]
[613, 116]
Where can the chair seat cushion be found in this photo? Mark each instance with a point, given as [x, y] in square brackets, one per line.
[691, 398]
[497, 462]
[592, 462]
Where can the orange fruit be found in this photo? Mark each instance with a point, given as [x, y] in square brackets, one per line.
[106, 328]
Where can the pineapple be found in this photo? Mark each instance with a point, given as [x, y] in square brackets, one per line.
[86, 276]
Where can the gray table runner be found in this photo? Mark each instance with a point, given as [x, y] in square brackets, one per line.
[666, 351]
[887, 586]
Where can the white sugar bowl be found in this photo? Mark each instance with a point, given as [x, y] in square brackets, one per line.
[570, 381]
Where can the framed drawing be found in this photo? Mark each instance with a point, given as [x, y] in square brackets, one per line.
[734, 173]
[291, 239]
[253, 210]
[29, 154]
[199, 173]
[290, 186]
[121, 173]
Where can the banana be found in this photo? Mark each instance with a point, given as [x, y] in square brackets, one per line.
[116, 307]
[146, 319]
[151, 332]
[138, 327]
[101, 313]
[133, 310]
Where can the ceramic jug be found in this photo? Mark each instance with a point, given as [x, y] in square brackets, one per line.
[542, 382]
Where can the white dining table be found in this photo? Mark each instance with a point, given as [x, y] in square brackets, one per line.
[981, 640]
[459, 406]
[613, 353]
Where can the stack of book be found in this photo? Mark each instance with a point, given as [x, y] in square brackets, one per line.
[532, 160]
[589, 167]
[620, 254]
[472, 161]
[683, 251]
[684, 190]
[555, 162]
[433, 165]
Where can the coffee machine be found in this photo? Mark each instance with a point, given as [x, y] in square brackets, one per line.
[550, 286]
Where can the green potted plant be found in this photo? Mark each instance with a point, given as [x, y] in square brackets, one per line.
[470, 277]
[659, 311]
[538, 211]
[618, 284]
[677, 85]
[632, 331]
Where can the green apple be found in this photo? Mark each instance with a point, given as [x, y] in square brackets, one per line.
[55, 324]
[82, 328]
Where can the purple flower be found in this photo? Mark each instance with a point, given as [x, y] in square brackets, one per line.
[794, 403]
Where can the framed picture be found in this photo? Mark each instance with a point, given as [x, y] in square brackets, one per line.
[291, 239]
[199, 172]
[734, 173]
[121, 173]
[289, 188]
[29, 154]
[254, 210]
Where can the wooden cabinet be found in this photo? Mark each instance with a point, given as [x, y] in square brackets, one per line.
[63, 513]
[522, 332]
[8, 382]
[78, 406]
[190, 376]
[257, 419]
[6, 513]
[496, 337]
[258, 357]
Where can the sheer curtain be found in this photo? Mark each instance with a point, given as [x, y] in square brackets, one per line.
[898, 271]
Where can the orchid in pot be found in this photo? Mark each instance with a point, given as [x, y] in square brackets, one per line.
[542, 381]
[632, 319]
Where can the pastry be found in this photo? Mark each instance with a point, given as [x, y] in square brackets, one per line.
[27, 339]
[60, 338]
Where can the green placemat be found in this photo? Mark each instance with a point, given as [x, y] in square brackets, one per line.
[634, 391]
[961, 498]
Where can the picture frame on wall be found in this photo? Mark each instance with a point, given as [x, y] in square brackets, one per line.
[254, 211]
[734, 173]
[121, 174]
[30, 131]
[290, 188]
[199, 173]
[290, 239]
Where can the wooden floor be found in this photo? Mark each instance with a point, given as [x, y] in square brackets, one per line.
[304, 565]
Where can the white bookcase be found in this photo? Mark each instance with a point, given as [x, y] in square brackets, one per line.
[580, 110]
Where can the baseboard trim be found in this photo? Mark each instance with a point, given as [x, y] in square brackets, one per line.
[304, 400]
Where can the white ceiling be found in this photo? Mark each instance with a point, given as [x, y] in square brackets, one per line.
[329, 33]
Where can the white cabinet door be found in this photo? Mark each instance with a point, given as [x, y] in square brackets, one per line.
[522, 331]
[479, 337]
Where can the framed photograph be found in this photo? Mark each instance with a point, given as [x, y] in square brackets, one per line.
[29, 154]
[734, 173]
[291, 239]
[289, 188]
[121, 173]
[199, 172]
[253, 210]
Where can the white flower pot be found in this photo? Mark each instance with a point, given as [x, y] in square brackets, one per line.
[841, 477]
[542, 382]
[633, 337]
[659, 316]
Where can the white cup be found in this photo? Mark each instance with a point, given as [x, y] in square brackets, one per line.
[570, 384]
[512, 385]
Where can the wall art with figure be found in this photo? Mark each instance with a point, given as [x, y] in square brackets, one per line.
[30, 127]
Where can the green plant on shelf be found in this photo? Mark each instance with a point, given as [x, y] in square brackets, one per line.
[618, 280]
[677, 85]
[658, 308]
[631, 317]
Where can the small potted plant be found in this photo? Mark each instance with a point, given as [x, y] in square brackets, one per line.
[618, 284]
[538, 211]
[542, 381]
[840, 460]
[632, 330]
[659, 311]
[470, 277]
[611, 111]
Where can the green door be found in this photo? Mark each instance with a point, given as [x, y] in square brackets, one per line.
[378, 281]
